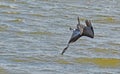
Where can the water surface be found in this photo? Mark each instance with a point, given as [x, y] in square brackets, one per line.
[33, 33]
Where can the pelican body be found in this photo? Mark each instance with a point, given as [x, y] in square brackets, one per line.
[81, 30]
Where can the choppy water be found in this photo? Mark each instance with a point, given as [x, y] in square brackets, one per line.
[33, 33]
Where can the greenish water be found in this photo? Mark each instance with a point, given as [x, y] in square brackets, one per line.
[33, 33]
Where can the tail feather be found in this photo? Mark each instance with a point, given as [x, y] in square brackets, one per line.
[78, 20]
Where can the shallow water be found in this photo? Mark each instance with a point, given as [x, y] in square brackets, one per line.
[33, 33]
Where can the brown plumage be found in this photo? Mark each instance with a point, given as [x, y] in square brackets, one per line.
[81, 30]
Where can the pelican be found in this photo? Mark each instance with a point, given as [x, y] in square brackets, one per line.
[80, 31]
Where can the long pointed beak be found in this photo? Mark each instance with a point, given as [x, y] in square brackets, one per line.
[64, 49]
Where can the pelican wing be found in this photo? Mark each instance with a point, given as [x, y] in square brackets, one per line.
[89, 32]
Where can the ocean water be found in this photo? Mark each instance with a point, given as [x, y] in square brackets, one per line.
[33, 34]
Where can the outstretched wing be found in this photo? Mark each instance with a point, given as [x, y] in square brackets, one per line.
[88, 30]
